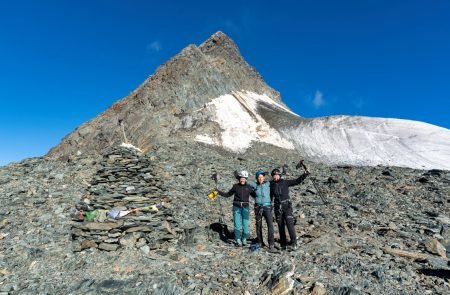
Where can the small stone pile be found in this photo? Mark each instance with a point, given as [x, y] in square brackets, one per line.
[129, 183]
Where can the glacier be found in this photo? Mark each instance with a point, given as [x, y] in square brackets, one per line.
[345, 140]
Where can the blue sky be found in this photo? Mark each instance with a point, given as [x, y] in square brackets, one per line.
[63, 62]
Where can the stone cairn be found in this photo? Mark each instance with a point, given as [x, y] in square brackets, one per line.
[126, 181]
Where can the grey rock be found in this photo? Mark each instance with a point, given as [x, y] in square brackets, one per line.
[115, 235]
[129, 240]
[111, 241]
[6, 288]
[346, 291]
[435, 247]
[108, 247]
[101, 226]
[88, 244]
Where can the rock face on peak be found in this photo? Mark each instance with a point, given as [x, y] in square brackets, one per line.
[181, 85]
[220, 45]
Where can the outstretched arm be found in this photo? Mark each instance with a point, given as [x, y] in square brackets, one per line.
[292, 182]
[229, 194]
[252, 184]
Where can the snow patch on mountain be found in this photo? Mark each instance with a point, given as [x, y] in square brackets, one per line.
[240, 122]
[345, 140]
[130, 146]
[373, 141]
[206, 139]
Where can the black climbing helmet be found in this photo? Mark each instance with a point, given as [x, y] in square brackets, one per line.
[275, 171]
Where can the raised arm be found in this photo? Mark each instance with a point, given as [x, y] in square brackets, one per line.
[292, 182]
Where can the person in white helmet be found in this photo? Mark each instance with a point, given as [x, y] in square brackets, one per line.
[241, 213]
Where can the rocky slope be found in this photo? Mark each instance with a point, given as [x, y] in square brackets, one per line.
[383, 230]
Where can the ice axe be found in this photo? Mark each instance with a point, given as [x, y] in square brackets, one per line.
[302, 165]
[285, 170]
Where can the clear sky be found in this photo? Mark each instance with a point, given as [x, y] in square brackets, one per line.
[63, 62]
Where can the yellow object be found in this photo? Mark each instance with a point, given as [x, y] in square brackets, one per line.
[212, 195]
[3, 223]
[154, 208]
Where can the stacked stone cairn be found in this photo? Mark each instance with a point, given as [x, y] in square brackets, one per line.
[129, 183]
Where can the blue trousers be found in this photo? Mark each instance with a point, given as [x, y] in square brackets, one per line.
[241, 217]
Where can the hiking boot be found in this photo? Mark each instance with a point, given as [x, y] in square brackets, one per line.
[272, 248]
[255, 247]
[244, 242]
[293, 246]
[238, 243]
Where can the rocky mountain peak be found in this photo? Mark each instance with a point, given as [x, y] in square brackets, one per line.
[209, 94]
[219, 44]
[150, 114]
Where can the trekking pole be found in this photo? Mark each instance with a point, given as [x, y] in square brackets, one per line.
[221, 218]
[301, 164]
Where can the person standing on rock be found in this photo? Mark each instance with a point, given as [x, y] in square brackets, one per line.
[241, 213]
[279, 193]
[263, 208]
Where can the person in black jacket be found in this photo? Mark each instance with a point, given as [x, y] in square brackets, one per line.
[279, 194]
[241, 212]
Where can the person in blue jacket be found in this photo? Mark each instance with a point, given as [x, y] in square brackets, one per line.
[263, 208]
[241, 192]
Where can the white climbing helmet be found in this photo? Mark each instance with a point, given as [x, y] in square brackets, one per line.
[243, 174]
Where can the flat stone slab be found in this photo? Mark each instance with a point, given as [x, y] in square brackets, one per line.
[139, 228]
[101, 226]
[108, 247]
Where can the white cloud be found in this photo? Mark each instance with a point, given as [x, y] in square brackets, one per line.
[155, 46]
[318, 100]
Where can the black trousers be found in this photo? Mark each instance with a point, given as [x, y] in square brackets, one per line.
[285, 217]
[266, 212]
